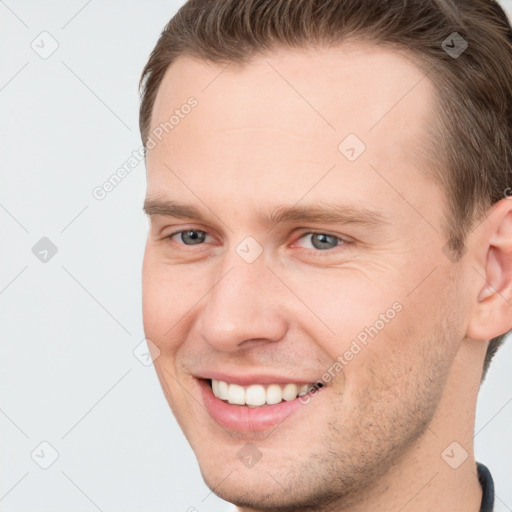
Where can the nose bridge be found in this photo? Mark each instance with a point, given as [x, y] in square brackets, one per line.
[241, 306]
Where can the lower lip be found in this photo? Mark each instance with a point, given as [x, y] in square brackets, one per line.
[243, 418]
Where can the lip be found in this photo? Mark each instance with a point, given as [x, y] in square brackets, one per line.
[243, 418]
[247, 380]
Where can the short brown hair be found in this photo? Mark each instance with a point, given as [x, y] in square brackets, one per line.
[471, 144]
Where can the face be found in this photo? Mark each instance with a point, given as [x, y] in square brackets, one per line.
[295, 238]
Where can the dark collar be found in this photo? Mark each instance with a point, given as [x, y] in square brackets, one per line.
[485, 479]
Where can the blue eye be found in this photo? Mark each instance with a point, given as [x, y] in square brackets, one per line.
[322, 241]
[190, 236]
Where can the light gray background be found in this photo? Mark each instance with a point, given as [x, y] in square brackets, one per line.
[69, 326]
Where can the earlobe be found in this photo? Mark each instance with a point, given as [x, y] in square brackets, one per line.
[492, 311]
[486, 292]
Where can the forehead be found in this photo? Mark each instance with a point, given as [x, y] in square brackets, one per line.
[276, 125]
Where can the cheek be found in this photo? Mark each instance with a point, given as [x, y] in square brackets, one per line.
[156, 302]
[388, 325]
[347, 308]
[169, 294]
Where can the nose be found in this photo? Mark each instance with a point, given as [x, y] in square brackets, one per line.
[244, 308]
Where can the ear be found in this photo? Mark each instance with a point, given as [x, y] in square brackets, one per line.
[491, 243]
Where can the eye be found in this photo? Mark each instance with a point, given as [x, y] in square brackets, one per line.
[321, 241]
[189, 236]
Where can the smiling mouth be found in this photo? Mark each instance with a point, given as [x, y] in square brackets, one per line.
[260, 395]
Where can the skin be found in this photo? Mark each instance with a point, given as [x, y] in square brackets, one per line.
[266, 134]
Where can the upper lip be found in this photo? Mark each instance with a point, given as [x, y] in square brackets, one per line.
[253, 378]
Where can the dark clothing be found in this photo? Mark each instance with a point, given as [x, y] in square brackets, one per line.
[485, 478]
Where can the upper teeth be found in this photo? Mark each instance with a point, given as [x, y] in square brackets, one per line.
[258, 394]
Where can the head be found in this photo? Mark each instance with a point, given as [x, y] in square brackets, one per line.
[329, 205]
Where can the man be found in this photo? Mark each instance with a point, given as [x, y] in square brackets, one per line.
[328, 270]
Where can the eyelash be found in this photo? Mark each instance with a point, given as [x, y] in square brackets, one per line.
[341, 241]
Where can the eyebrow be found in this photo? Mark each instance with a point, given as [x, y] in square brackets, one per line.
[318, 213]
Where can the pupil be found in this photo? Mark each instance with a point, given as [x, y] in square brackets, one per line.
[321, 241]
[193, 236]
